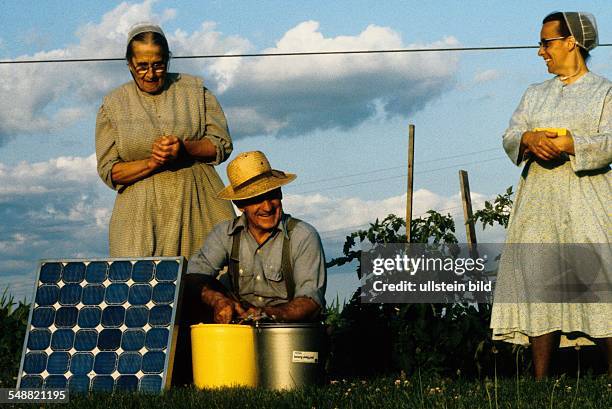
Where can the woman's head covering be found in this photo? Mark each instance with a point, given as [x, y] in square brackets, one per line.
[146, 27]
[583, 28]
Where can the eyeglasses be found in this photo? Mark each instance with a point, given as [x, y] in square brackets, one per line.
[544, 42]
[143, 69]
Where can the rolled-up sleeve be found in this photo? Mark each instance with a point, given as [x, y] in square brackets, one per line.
[309, 273]
[595, 151]
[215, 128]
[519, 124]
[106, 150]
[213, 256]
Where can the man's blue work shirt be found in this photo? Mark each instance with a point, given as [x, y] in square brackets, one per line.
[261, 281]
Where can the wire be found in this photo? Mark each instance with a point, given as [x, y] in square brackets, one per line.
[392, 168]
[289, 54]
[396, 176]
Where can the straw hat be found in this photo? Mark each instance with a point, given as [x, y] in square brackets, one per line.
[250, 175]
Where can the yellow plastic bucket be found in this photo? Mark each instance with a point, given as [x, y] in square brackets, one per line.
[223, 355]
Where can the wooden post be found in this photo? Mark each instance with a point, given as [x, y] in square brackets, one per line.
[410, 180]
[470, 230]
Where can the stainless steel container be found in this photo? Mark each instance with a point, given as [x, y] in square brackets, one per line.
[290, 355]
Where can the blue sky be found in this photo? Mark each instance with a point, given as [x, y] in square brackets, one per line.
[321, 117]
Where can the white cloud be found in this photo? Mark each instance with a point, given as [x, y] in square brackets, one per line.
[275, 95]
[335, 217]
[486, 76]
[51, 209]
[49, 97]
[295, 95]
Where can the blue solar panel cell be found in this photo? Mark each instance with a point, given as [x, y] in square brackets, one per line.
[81, 363]
[102, 383]
[167, 271]
[142, 271]
[58, 363]
[93, 294]
[133, 340]
[56, 381]
[140, 294]
[47, 295]
[153, 362]
[136, 317]
[127, 383]
[70, 294]
[50, 273]
[66, 317]
[109, 339]
[102, 325]
[105, 363]
[160, 315]
[39, 339]
[43, 317]
[62, 340]
[163, 293]
[113, 316]
[85, 340]
[35, 362]
[129, 363]
[157, 338]
[89, 317]
[120, 271]
[116, 293]
[31, 381]
[151, 383]
[74, 273]
[96, 272]
[78, 383]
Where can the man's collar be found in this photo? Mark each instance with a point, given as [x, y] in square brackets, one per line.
[241, 223]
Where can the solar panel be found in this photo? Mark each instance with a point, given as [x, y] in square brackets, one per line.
[102, 325]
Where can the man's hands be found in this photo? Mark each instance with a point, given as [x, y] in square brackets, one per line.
[547, 145]
[225, 309]
[165, 150]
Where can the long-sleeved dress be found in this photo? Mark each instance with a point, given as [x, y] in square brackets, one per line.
[170, 212]
[567, 201]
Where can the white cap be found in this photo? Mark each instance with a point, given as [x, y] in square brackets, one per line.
[145, 27]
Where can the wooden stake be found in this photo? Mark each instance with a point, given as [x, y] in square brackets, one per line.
[410, 180]
[470, 230]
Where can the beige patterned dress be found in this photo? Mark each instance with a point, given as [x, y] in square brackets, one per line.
[170, 212]
[567, 201]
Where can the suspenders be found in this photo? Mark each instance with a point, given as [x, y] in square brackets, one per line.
[286, 266]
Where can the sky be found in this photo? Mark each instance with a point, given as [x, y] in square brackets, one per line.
[340, 122]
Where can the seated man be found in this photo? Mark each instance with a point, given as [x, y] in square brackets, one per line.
[275, 264]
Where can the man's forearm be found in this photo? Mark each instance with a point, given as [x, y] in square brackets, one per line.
[298, 309]
[212, 297]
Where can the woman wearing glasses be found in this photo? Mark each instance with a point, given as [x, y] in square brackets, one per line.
[562, 132]
[157, 139]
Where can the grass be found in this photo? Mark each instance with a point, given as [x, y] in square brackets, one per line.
[594, 393]
[418, 391]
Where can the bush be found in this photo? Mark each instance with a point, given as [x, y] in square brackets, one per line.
[13, 321]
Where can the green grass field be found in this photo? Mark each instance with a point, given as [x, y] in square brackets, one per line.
[389, 393]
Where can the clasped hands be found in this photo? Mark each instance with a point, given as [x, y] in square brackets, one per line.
[547, 145]
[165, 150]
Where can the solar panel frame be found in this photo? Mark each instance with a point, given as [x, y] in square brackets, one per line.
[172, 326]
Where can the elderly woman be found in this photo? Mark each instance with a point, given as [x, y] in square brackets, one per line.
[564, 192]
[157, 139]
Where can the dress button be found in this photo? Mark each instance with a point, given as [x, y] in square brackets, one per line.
[240, 271]
[258, 277]
[260, 298]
